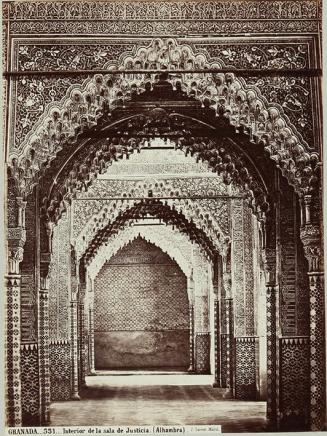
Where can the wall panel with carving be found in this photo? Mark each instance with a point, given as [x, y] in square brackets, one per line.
[59, 291]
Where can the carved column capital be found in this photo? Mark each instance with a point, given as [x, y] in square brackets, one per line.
[225, 247]
[21, 203]
[45, 260]
[227, 282]
[49, 225]
[268, 256]
[15, 256]
[312, 244]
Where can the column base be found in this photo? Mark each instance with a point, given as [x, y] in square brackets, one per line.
[92, 372]
[191, 370]
[215, 384]
[75, 397]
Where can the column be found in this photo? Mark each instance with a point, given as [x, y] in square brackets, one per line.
[216, 383]
[191, 313]
[16, 240]
[229, 343]
[201, 335]
[91, 329]
[227, 331]
[81, 333]
[12, 350]
[43, 339]
[74, 348]
[190, 288]
[311, 238]
[269, 256]
[216, 323]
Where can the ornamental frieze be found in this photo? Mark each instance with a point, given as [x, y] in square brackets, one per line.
[164, 28]
[169, 10]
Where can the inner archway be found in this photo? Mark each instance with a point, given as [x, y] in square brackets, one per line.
[141, 311]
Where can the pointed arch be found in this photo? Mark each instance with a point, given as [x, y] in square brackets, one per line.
[175, 244]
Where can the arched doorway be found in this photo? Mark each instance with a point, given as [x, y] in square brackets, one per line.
[141, 311]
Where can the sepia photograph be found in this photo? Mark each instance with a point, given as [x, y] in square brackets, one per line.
[163, 215]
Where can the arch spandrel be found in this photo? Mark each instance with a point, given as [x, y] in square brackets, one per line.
[244, 107]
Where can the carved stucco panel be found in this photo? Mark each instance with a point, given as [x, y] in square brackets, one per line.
[238, 267]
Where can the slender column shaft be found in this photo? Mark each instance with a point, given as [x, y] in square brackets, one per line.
[74, 350]
[91, 340]
[12, 347]
[217, 343]
[44, 356]
[191, 311]
[229, 342]
[312, 243]
[271, 356]
[82, 343]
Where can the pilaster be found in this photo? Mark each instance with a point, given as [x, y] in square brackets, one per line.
[312, 241]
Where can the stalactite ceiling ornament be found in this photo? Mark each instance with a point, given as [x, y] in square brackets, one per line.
[170, 241]
[223, 160]
[85, 104]
[173, 216]
[108, 213]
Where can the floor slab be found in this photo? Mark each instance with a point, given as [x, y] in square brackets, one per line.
[154, 400]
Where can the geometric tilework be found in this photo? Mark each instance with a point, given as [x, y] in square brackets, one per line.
[317, 352]
[246, 368]
[227, 343]
[30, 384]
[223, 360]
[294, 383]
[149, 295]
[60, 371]
[202, 353]
[13, 358]
[272, 356]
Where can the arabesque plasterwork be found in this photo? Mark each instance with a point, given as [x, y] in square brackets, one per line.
[225, 93]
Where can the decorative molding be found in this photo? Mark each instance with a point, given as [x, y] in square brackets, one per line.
[165, 28]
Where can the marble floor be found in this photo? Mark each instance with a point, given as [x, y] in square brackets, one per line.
[158, 399]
